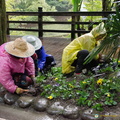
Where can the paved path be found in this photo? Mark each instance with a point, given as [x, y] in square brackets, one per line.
[10, 113]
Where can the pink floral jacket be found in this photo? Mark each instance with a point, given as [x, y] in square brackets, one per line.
[10, 65]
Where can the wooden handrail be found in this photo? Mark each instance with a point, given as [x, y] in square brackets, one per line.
[41, 23]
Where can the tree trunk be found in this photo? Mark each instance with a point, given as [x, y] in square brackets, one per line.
[3, 23]
[106, 5]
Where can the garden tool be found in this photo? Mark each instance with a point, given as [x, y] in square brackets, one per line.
[96, 70]
[32, 90]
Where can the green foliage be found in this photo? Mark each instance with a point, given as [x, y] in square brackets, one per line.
[93, 5]
[98, 106]
[63, 6]
[43, 4]
[77, 5]
[86, 91]
[10, 5]
[22, 5]
[28, 6]
[60, 5]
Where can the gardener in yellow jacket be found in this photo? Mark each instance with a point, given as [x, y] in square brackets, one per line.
[75, 53]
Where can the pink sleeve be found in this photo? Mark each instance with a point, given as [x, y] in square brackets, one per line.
[6, 77]
[30, 67]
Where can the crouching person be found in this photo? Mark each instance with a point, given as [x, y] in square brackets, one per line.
[74, 54]
[43, 61]
[17, 70]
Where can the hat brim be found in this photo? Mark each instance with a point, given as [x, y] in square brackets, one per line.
[16, 52]
[38, 43]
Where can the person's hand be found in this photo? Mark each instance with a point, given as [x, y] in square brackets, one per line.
[35, 81]
[33, 78]
[101, 58]
[20, 90]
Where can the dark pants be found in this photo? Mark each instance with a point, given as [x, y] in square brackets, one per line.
[50, 62]
[78, 63]
[22, 80]
[36, 67]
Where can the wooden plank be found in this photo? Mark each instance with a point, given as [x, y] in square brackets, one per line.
[76, 13]
[33, 22]
[65, 31]
[53, 22]
[23, 13]
[98, 13]
[62, 22]
[62, 31]
[20, 29]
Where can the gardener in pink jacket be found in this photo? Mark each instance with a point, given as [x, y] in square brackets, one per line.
[17, 69]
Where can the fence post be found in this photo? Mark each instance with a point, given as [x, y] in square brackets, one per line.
[40, 25]
[90, 26]
[73, 28]
[8, 32]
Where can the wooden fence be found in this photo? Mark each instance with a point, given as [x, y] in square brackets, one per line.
[40, 14]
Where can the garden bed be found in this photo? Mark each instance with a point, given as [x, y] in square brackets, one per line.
[83, 90]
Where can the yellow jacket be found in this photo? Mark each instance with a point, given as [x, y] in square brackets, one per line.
[84, 42]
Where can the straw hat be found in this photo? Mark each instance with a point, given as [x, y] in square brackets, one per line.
[20, 48]
[35, 41]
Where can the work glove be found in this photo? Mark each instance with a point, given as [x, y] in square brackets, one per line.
[20, 90]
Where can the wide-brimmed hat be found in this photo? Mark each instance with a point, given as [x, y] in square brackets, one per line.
[33, 40]
[20, 48]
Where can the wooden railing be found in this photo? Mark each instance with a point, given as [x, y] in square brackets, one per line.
[40, 14]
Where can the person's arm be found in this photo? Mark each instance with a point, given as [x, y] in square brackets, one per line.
[30, 69]
[41, 57]
[7, 81]
[6, 77]
[30, 66]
